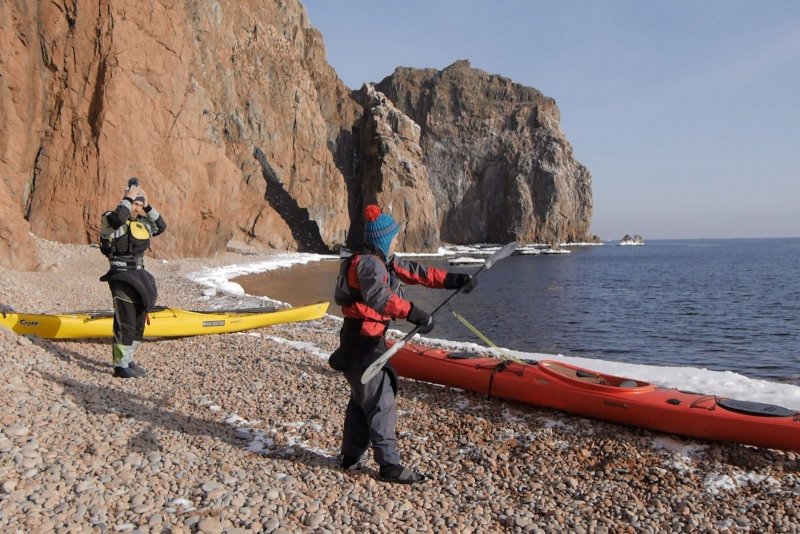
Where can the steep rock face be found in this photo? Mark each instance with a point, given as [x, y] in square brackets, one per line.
[499, 164]
[391, 173]
[22, 111]
[226, 110]
[240, 132]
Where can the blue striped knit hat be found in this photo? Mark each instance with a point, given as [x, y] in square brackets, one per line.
[379, 229]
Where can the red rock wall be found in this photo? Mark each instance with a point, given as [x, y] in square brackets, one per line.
[180, 94]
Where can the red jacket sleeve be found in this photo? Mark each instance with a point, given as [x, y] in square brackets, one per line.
[412, 272]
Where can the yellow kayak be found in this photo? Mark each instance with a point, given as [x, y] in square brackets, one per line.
[164, 322]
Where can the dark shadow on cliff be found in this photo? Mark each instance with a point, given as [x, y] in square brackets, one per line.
[304, 230]
[347, 157]
[483, 214]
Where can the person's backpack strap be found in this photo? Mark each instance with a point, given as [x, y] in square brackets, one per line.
[107, 236]
[344, 295]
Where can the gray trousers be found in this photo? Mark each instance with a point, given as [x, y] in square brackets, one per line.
[371, 416]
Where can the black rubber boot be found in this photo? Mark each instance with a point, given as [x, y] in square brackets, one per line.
[400, 475]
[132, 371]
[351, 462]
[138, 370]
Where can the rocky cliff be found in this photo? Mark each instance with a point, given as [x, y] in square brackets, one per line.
[227, 111]
[500, 167]
[241, 133]
[391, 173]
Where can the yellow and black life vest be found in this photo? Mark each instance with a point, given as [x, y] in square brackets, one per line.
[130, 239]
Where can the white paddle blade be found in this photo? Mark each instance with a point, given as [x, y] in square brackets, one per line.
[375, 368]
[504, 252]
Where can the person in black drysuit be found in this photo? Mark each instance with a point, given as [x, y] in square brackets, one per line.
[125, 235]
[368, 290]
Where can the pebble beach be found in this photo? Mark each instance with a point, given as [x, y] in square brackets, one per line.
[239, 433]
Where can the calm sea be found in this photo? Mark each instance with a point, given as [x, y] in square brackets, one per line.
[729, 304]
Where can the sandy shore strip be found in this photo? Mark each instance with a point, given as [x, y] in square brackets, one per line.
[240, 432]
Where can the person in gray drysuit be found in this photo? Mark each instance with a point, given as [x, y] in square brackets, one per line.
[368, 289]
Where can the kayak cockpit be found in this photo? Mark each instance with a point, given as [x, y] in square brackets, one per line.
[592, 379]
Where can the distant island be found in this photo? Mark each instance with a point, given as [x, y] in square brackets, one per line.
[628, 240]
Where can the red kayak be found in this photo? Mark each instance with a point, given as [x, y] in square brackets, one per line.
[605, 397]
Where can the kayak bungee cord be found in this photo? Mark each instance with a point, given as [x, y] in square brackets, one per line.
[507, 360]
[503, 352]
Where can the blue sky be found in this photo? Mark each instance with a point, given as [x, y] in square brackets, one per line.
[686, 113]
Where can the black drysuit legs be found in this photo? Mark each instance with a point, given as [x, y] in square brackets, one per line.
[371, 416]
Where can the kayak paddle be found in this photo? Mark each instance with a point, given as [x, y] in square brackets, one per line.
[376, 366]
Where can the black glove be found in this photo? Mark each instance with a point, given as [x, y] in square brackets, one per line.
[421, 318]
[466, 282]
